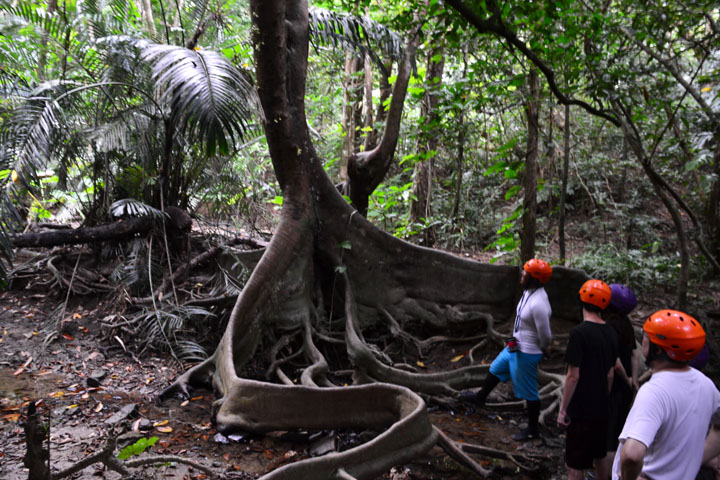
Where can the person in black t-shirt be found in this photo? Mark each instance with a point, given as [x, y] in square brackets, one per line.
[591, 355]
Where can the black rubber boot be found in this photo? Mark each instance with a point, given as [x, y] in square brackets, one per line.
[531, 432]
[479, 398]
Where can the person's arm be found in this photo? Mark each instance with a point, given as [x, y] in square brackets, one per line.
[621, 373]
[631, 459]
[541, 317]
[636, 361]
[571, 380]
[712, 444]
[611, 375]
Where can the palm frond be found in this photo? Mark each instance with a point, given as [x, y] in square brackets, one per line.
[127, 207]
[209, 98]
[358, 34]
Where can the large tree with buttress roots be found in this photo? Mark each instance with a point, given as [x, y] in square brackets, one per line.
[327, 274]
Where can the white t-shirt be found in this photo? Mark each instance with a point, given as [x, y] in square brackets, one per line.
[671, 415]
[532, 321]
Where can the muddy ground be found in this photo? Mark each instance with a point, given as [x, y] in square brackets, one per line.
[82, 417]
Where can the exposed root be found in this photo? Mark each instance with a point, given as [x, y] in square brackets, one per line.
[461, 457]
[107, 457]
[318, 370]
[525, 462]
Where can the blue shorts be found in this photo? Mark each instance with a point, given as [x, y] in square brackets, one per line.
[521, 368]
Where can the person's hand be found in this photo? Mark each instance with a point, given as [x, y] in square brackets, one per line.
[634, 384]
[563, 420]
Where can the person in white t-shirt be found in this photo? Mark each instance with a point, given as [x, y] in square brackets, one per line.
[531, 338]
[665, 432]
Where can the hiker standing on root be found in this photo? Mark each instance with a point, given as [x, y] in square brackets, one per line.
[665, 432]
[622, 302]
[524, 350]
[591, 355]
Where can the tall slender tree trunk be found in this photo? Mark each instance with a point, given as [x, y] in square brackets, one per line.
[550, 156]
[563, 188]
[527, 233]
[421, 202]
[42, 57]
[350, 111]
[460, 160]
[712, 211]
[147, 15]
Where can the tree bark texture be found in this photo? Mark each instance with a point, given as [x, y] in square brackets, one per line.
[530, 182]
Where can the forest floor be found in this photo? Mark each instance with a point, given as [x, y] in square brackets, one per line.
[125, 388]
[82, 418]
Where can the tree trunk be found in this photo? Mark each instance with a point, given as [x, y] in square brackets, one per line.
[351, 89]
[713, 206]
[563, 188]
[368, 168]
[323, 258]
[660, 188]
[42, 57]
[147, 15]
[530, 182]
[421, 201]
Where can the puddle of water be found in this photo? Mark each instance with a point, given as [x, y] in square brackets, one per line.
[31, 385]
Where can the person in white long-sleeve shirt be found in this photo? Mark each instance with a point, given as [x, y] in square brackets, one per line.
[531, 339]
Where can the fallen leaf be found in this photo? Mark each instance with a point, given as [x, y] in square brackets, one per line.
[457, 358]
[227, 457]
[67, 336]
[165, 429]
[184, 403]
[195, 399]
[70, 407]
[77, 316]
[12, 417]
[24, 366]
[160, 423]
[268, 454]
[420, 364]
[135, 425]
[99, 407]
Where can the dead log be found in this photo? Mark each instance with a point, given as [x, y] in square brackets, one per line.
[120, 230]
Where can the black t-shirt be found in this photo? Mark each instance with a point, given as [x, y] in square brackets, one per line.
[594, 348]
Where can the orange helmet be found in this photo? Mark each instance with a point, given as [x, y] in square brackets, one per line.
[596, 292]
[677, 333]
[539, 269]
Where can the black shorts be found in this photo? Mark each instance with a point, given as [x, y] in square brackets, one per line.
[586, 440]
[620, 403]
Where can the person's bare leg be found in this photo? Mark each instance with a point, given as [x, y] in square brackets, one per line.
[574, 474]
[603, 468]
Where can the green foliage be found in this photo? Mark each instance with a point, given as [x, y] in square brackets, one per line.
[642, 269]
[137, 448]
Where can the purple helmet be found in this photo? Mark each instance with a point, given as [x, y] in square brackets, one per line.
[622, 299]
